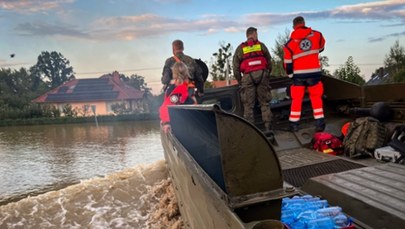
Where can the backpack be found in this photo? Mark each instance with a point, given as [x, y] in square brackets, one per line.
[204, 68]
[365, 135]
[399, 133]
[327, 143]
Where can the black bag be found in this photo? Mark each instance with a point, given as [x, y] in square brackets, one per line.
[204, 68]
[365, 135]
[399, 133]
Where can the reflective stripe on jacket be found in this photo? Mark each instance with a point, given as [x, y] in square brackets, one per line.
[253, 58]
[301, 53]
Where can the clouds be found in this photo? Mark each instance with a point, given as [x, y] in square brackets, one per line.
[144, 25]
[133, 27]
[32, 6]
[391, 9]
[381, 10]
[46, 29]
[381, 38]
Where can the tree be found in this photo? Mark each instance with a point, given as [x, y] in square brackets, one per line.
[221, 66]
[394, 62]
[52, 67]
[278, 54]
[349, 72]
[136, 81]
[324, 63]
[19, 86]
[17, 89]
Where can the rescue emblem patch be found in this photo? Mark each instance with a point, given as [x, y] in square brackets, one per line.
[174, 98]
[305, 45]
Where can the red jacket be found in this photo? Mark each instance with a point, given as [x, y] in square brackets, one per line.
[301, 53]
[178, 95]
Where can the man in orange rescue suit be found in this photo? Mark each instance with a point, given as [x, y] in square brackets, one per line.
[251, 68]
[301, 62]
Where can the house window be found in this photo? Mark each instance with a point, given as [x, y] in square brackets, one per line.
[86, 108]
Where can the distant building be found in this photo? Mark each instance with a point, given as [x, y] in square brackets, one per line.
[381, 77]
[95, 96]
[223, 83]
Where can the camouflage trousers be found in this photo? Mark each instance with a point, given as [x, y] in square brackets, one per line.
[256, 86]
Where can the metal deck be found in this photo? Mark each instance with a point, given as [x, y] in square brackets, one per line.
[375, 195]
[299, 165]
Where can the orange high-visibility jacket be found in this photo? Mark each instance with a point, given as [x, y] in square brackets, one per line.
[301, 53]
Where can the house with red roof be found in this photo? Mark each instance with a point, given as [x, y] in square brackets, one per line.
[223, 83]
[95, 96]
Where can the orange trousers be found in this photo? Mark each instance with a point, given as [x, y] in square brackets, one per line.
[315, 95]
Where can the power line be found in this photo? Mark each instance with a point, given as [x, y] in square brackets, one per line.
[126, 70]
[365, 64]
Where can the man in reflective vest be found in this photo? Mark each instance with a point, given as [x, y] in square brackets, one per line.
[251, 68]
[302, 64]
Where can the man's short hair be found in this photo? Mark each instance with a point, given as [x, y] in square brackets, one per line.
[250, 31]
[298, 21]
[178, 45]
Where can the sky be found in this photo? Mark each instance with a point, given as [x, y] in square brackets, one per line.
[134, 36]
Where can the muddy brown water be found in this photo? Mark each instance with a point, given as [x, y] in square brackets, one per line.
[84, 176]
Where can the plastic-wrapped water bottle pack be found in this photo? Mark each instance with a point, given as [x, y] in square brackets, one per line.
[309, 212]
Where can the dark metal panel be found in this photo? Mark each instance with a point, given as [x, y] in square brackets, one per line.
[233, 152]
[226, 97]
[197, 132]
[250, 164]
[336, 89]
[385, 92]
[375, 195]
[202, 203]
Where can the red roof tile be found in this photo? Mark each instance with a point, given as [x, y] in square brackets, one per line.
[105, 88]
[223, 83]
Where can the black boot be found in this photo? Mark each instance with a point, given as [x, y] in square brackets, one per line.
[294, 127]
[267, 127]
[320, 125]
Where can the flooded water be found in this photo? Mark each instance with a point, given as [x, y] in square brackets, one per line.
[83, 176]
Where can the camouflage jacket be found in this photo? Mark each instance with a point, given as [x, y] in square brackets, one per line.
[194, 70]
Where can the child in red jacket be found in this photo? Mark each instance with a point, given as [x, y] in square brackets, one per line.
[176, 93]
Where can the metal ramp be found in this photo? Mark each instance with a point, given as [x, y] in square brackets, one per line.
[375, 195]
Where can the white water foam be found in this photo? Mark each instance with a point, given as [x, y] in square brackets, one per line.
[139, 197]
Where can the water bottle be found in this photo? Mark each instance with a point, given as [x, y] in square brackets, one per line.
[307, 197]
[306, 216]
[298, 225]
[328, 212]
[341, 221]
[315, 205]
[288, 216]
[321, 223]
[295, 204]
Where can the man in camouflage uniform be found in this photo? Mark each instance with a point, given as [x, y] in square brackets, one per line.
[194, 69]
[252, 68]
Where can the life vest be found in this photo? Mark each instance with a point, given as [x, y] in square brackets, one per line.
[301, 53]
[253, 57]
